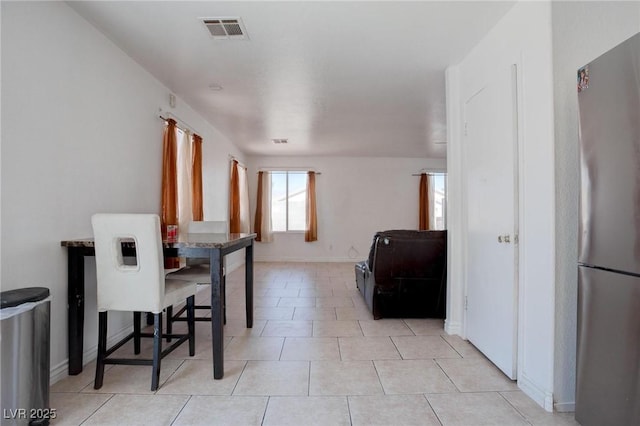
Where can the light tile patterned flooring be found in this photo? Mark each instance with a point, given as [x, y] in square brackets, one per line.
[313, 357]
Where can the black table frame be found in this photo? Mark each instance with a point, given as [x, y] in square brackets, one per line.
[79, 249]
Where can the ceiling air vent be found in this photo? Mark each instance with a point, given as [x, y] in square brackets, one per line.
[279, 141]
[226, 28]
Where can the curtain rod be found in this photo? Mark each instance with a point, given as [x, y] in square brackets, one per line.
[184, 126]
[284, 170]
[429, 173]
[232, 158]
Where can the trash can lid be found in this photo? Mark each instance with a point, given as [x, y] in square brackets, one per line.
[11, 298]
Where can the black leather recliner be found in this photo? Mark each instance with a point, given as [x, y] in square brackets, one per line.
[405, 275]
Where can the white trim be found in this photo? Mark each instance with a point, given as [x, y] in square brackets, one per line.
[59, 372]
[564, 407]
[453, 327]
[455, 174]
[519, 219]
[543, 398]
[523, 380]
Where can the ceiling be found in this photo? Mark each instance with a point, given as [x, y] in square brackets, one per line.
[334, 78]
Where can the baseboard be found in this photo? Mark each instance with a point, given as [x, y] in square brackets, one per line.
[565, 407]
[61, 370]
[306, 259]
[543, 398]
[453, 327]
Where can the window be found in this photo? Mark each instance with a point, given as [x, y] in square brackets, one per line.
[439, 201]
[288, 200]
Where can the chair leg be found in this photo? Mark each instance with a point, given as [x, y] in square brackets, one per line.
[136, 332]
[169, 321]
[157, 350]
[102, 349]
[191, 325]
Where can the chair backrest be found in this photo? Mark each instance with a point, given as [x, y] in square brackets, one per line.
[208, 227]
[409, 254]
[124, 287]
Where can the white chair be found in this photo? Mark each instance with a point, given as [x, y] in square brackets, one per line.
[141, 287]
[198, 270]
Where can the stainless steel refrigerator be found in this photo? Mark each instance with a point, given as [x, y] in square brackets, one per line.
[608, 362]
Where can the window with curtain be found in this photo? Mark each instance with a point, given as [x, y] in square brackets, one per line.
[433, 201]
[288, 201]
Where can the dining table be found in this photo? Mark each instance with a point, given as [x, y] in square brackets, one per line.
[201, 246]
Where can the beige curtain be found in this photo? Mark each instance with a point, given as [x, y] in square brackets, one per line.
[234, 199]
[169, 196]
[185, 206]
[262, 224]
[196, 178]
[245, 214]
[311, 231]
[424, 202]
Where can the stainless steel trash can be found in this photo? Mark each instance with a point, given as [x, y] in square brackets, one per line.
[25, 339]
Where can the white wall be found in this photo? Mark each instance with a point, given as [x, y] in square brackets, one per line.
[356, 196]
[581, 32]
[80, 135]
[523, 37]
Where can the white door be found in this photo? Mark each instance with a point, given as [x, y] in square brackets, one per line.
[490, 145]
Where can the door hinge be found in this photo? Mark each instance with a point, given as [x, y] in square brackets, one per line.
[466, 303]
[466, 128]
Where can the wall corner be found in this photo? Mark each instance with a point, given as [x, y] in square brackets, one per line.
[455, 176]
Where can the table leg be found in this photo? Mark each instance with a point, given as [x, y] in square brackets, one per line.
[217, 336]
[75, 307]
[248, 265]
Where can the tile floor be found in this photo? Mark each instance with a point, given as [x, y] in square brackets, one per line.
[313, 357]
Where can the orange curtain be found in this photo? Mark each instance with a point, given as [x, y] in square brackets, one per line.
[196, 178]
[169, 208]
[424, 202]
[258, 219]
[169, 213]
[311, 233]
[234, 200]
